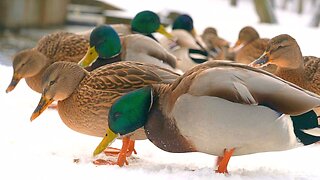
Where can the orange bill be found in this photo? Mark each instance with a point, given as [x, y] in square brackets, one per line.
[15, 80]
[43, 104]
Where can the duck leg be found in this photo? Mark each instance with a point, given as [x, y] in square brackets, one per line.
[110, 151]
[222, 162]
[125, 151]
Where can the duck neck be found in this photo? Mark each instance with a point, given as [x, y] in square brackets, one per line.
[160, 129]
[34, 80]
[294, 75]
[103, 61]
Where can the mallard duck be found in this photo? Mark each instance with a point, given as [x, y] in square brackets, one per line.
[183, 24]
[219, 108]
[108, 47]
[144, 22]
[31, 63]
[284, 52]
[249, 45]
[215, 43]
[84, 98]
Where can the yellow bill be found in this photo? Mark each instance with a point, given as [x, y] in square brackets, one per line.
[43, 104]
[90, 56]
[194, 32]
[162, 30]
[106, 141]
[15, 80]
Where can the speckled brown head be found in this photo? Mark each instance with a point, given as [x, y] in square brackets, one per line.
[246, 35]
[27, 63]
[210, 30]
[59, 81]
[283, 51]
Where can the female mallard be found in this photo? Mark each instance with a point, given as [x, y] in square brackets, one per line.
[219, 108]
[249, 46]
[108, 47]
[284, 51]
[31, 63]
[215, 43]
[84, 98]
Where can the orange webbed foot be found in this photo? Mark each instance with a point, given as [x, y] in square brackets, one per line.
[222, 162]
[126, 150]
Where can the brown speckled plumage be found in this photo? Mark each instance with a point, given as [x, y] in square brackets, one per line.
[84, 103]
[215, 43]
[253, 45]
[304, 71]
[59, 46]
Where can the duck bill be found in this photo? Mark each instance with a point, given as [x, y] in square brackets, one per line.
[106, 141]
[43, 104]
[90, 56]
[238, 46]
[194, 33]
[15, 80]
[263, 60]
[162, 30]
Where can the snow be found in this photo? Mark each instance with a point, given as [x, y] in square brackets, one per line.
[47, 149]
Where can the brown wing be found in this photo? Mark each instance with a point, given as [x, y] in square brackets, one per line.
[312, 72]
[63, 46]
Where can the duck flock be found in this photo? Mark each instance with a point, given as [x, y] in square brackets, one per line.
[184, 92]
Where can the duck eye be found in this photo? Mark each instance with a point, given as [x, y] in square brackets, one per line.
[51, 82]
[117, 115]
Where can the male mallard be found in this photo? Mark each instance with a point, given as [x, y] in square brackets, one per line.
[145, 22]
[218, 108]
[249, 45]
[215, 43]
[84, 98]
[284, 51]
[183, 24]
[31, 63]
[108, 47]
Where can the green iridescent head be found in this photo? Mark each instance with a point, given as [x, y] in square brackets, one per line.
[183, 22]
[104, 43]
[145, 22]
[130, 112]
[127, 114]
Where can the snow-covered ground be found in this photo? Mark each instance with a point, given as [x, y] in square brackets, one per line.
[47, 149]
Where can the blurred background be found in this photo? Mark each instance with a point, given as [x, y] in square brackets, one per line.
[23, 22]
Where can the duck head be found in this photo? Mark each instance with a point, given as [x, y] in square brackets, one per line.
[27, 63]
[283, 51]
[184, 22]
[246, 35]
[59, 81]
[104, 43]
[147, 22]
[126, 115]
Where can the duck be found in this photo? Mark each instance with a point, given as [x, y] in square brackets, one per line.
[31, 63]
[145, 23]
[84, 97]
[183, 24]
[107, 47]
[249, 45]
[215, 43]
[219, 108]
[284, 52]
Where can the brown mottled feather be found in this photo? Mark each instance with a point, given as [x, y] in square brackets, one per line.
[86, 109]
